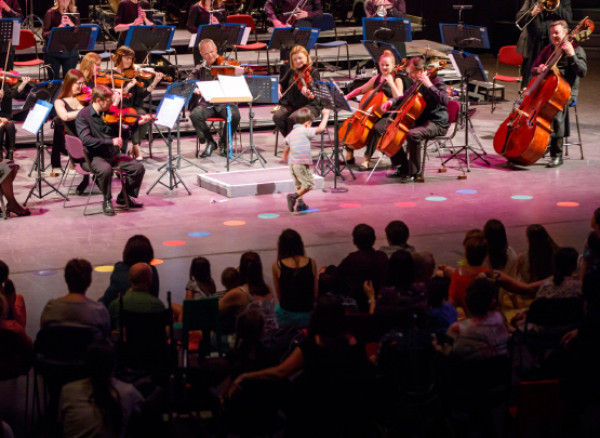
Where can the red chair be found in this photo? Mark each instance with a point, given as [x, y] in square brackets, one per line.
[249, 22]
[506, 55]
[27, 41]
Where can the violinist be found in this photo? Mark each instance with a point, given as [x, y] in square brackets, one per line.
[572, 66]
[202, 109]
[279, 12]
[432, 122]
[9, 9]
[393, 8]
[131, 13]
[103, 147]
[7, 127]
[89, 67]
[136, 92]
[296, 82]
[57, 16]
[200, 14]
[67, 106]
[392, 87]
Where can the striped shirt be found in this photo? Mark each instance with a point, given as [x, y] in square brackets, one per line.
[299, 142]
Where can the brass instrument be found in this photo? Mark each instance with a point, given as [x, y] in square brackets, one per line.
[549, 5]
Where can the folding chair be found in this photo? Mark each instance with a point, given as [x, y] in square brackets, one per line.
[506, 55]
[256, 45]
[327, 22]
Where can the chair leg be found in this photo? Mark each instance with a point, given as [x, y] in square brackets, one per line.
[276, 140]
[578, 131]
[348, 59]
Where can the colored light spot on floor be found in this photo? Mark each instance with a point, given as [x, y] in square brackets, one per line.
[199, 234]
[466, 191]
[310, 210]
[234, 223]
[156, 262]
[405, 204]
[349, 205]
[435, 198]
[567, 204]
[174, 243]
[521, 197]
[268, 216]
[104, 268]
[46, 272]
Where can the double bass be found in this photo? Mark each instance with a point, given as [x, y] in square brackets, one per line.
[410, 110]
[355, 130]
[523, 137]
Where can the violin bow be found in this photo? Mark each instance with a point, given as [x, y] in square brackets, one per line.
[121, 114]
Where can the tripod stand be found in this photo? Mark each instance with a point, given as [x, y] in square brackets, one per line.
[38, 163]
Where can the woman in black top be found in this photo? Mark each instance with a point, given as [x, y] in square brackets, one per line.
[56, 17]
[7, 127]
[199, 15]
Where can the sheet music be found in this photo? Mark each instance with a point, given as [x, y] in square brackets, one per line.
[37, 116]
[170, 108]
[226, 86]
[245, 36]
[192, 40]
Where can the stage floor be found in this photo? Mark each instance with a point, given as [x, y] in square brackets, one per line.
[181, 226]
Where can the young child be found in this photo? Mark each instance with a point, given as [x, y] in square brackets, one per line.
[298, 142]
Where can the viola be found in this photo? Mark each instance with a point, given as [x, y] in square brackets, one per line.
[217, 67]
[12, 77]
[523, 137]
[303, 77]
[356, 129]
[127, 116]
[410, 110]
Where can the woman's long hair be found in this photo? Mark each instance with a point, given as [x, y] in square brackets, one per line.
[497, 243]
[200, 272]
[541, 252]
[290, 244]
[87, 65]
[565, 263]
[71, 77]
[72, 8]
[251, 272]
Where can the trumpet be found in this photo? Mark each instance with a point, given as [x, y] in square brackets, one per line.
[549, 5]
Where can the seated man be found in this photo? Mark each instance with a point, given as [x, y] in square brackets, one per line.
[103, 147]
[204, 110]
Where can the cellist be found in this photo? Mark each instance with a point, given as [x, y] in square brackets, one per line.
[393, 87]
[572, 66]
[432, 122]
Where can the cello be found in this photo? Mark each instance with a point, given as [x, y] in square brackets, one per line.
[355, 130]
[523, 137]
[410, 110]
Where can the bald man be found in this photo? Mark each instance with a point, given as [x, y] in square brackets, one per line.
[138, 298]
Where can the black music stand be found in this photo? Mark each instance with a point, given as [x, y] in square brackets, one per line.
[67, 39]
[224, 36]
[149, 38]
[34, 124]
[168, 112]
[331, 97]
[285, 38]
[465, 36]
[376, 49]
[396, 31]
[469, 67]
[264, 89]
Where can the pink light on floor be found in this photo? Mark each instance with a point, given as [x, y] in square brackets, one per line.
[567, 204]
[174, 243]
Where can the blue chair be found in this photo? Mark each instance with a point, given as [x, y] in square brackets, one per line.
[327, 22]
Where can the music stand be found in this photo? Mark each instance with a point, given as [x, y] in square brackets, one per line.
[33, 124]
[468, 67]
[149, 38]
[331, 97]
[69, 38]
[168, 113]
[223, 35]
[285, 38]
[396, 31]
[376, 49]
[10, 29]
[465, 36]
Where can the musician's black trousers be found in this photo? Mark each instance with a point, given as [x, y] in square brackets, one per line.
[285, 117]
[199, 115]
[103, 168]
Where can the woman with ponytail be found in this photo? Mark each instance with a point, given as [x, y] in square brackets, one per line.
[565, 282]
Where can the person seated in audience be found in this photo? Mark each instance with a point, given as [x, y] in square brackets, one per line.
[484, 334]
[16, 312]
[397, 234]
[536, 263]
[586, 259]
[295, 279]
[565, 281]
[500, 256]
[253, 290]
[200, 284]
[26, 344]
[99, 405]
[75, 309]
[8, 173]
[441, 313]
[357, 267]
[138, 249]
[475, 251]
[138, 298]
[230, 279]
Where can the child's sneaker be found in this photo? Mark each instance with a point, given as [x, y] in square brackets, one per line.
[301, 206]
[291, 200]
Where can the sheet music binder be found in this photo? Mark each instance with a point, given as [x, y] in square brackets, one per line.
[468, 65]
[70, 38]
[223, 35]
[401, 27]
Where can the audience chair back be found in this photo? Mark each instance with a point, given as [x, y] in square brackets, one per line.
[203, 315]
[539, 409]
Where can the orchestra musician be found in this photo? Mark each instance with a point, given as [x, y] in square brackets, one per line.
[432, 122]
[9, 9]
[56, 17]
[8, 173]
[536, 35]
[200, 15]
[393, 87]
[135, 92]
[296, 81]
[572, 66]
[278, 12]
[393, 8]
[102, 144]
[67, 105]
[89, 67]
[7, 127]
[203, 109]
[131, 13]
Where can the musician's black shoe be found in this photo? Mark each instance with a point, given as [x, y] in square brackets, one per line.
[107, 208]
[407, 179]
[133, 203]
[396, 174]
[222, 150]
[9, 154]
[555, 162]
[210, 147]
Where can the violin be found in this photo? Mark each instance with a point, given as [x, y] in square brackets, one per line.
[303, 76]
[143, 75]
[218, 67]
[104, 78]
[12, 77]
[85, 96]
[127, 116]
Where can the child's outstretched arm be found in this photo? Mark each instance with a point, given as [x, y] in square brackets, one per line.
[325, 117]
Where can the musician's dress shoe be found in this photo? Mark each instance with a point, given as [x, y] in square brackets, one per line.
[107, 208]
[210, 147]
[555, 162]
